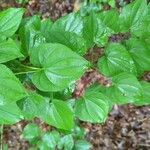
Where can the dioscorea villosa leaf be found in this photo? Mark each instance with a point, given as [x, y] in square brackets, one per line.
[9, 51]
[11, 89]
[31, 131]
[132, 15]
[58, 66]
[9, 112]
[140, 52]
[57, 113]
[10, 20]
[145, 98]
[116, 60]
[92, 107]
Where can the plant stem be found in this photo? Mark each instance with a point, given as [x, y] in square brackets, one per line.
[1, 135]
[29, 67]
[25, 72]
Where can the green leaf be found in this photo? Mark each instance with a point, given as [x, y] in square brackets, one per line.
[92, 107]
[46, 28]
[59, 66]
[11, 89]
[31, 34]
[51, 139]
[143, 28]
[9, 112]
[58, 114]
[110, 19]
[127, 89]
[31, 131]
[82, 144]
[68, 31]
[32, 105]
[10, 20]
[116, 60]
[69, 39]
[90, 27]
[66, 143]
[72, 22]
[132, 15]
[145, 98]
[140, 53]
[9, 51]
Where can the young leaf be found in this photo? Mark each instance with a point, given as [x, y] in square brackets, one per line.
[51, 139]
[110, 19]
[116, 60]
[30, 34]
[31, 131]
[72, 22]
[11, 89]
[32, 105]
[145, 98]
[69, 39]
[82, 144]
[9, 112]
[9, 51]
[132, 15]
[90, 28]
[10, 20]
[128, 86]
[66, 142]
[92, 107]
[58, 114]
[59, 66]
[140, 53]
[46, 28]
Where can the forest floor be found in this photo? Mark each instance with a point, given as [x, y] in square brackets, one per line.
[127, 128]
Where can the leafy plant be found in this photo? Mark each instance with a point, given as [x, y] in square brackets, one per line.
[54, 139]
[43, 67]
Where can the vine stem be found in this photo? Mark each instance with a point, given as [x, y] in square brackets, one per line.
[25, 72]
[1, 135]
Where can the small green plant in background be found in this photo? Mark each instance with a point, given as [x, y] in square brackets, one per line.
[22, 1]
[41, 62]
[54, 140]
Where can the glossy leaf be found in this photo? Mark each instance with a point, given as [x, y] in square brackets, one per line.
[90, 28]
[126, 87]
[82, 144]
[145, 98]
[9, 112]
[46, 28]
[31, 131]
[66, 142]
[72, 23]
[32, 105]
[132, 15]
[58, 114]
[58, 67]
[92, 107]
[9, 51]
[140, 53]
[10, 20]
[11, 89]
[116, 60]
[51, 139]
[31, 35]
[69, 39]
[110, 19]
